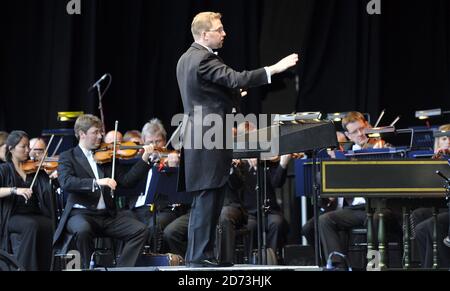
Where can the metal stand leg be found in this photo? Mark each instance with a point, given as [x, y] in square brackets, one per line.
[381, 241]
[406, 238]
[435, 254]
[261, 212]
[316, 210]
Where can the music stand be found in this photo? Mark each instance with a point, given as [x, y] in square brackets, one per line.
[285, 137]
[164, 183]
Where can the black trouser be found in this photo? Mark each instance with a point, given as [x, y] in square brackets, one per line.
[331, 223]
[163, 218]
[86, 225]
[424, 238]
[276, 227]
[31, 239]
[175, 235]
[231, 219]
[205, 212]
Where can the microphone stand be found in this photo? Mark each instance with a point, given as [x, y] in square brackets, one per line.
[100, 106]
[100, 98]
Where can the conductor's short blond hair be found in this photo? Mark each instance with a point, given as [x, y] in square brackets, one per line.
[203, 22]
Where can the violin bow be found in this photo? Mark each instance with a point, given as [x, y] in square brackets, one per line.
[379, 118]
[114, 155]
[42, 161]
[57, 146]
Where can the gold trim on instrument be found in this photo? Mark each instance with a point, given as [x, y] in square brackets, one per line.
[379, 190]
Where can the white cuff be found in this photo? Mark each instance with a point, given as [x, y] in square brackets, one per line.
[269, 76]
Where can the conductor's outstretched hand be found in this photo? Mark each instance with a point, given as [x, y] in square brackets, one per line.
[284, 64]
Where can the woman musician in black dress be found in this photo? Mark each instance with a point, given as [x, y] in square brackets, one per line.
[26, 225]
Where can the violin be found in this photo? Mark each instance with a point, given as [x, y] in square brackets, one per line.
[441, 154]
[128, 150]
[237, 163]
[31, 166]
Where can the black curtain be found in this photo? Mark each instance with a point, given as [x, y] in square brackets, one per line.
[50, 58]
[341, 68]
[350, 60]
[398, 60]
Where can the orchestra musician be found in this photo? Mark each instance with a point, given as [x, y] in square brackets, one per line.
[326, 204]
[37, 149]
[27, 216]
[424, 222]
[90, 210]
[353, 213]
[109, 137]
[154, 133]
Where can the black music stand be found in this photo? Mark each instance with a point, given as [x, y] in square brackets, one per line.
[261, 200]
[285, 138]
[164, 183]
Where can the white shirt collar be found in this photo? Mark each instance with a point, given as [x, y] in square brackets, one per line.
[86, 152]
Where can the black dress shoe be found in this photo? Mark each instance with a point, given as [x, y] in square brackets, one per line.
[212, 263]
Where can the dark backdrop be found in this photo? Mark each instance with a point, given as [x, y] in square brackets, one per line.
[399, 60]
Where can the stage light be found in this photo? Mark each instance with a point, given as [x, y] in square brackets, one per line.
[426, 114]
[69, 115]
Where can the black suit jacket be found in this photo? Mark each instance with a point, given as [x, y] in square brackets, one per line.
[76, 179]
[204, 80]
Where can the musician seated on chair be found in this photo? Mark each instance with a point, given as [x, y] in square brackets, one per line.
[90, 210]
[37, 149]
[353, 213]
[239, 209]
[423, 221]
[153, 133]
[326, 204]
[26, 212]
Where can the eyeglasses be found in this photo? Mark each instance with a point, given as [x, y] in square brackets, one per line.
[219, 30]
[360, 130]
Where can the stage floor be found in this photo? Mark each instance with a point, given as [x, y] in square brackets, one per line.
[235, 268]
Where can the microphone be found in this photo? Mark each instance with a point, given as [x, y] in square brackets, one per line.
[96, 84]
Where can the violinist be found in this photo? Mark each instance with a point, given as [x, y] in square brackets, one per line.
[442, 143]
[90, 210]
[154, 133]
[26, 214]
[355, 125]
[37, 148]
[3, 137]
[353, 213]
[423, 220]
